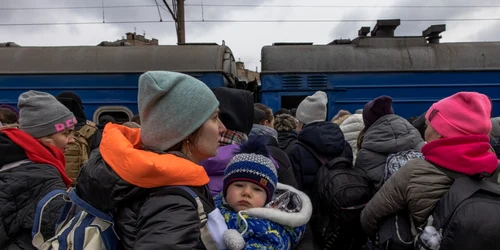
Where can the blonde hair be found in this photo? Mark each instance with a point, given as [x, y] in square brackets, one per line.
[341, 119]
[341, 116]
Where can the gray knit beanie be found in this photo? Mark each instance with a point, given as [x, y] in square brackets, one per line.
[41, 114]
[313, 108]
[171, 107]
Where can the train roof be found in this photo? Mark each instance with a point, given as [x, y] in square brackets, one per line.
[112, 59]
[381, 54]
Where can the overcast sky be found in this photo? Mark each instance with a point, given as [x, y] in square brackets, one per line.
[245, 39]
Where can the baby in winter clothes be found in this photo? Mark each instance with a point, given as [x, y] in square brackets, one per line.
[260, 212]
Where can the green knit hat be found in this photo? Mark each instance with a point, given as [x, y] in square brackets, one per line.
[171, 107]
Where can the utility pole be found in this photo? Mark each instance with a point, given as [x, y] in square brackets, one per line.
[181, 24]
[177, 12]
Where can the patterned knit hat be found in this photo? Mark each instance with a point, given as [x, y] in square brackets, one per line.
[252, 163]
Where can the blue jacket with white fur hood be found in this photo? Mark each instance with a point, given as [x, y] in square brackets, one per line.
[268, 227]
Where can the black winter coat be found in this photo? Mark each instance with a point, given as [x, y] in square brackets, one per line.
[285, 170]
[286, 140]
[145, 219]
[21, 188]
[327, 140]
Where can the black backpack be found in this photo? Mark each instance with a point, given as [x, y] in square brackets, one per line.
[341, 193]
[395, 233]
[468, 216]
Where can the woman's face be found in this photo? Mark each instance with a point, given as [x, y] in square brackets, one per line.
[60, 140]
[430, 133]
[206, 142]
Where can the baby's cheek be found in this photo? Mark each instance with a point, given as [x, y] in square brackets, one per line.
[262, 200]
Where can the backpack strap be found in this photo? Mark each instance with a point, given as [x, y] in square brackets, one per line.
[324, 160]
[88, 130]
[37, 222]
[320, 158]
[338, 160]
[462, 189]
[455, 175]
[188, 193]
[452, 174]
[88, 208]
[91, 123]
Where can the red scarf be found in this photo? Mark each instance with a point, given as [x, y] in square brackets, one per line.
[465, 154]
[38, 153]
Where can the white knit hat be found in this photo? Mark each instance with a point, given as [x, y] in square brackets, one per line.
[313, 108]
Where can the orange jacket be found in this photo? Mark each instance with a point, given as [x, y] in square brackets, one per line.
[121, 149]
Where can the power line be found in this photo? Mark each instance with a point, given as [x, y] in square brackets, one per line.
[254, 21]
[341, 6]
[159, 13]
[103, 15]
[252, 6]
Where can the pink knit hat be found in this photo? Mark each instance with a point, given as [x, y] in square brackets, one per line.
[464, 113]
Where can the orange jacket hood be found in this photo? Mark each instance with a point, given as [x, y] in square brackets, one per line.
[121, 149]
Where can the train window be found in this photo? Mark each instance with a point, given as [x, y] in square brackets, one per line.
[290, 102]
[120, 113]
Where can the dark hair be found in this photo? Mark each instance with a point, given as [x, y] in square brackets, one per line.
[282, 111]
[361, 137]
[136, 118]
[420, 125]
[8, 116]
[412, 119]
[106, 119]
[269, 116]
[294, 112]
[192, 138]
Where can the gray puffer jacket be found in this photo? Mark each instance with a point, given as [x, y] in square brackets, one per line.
[388, 135]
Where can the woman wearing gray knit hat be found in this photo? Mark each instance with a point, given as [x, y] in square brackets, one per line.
[135, 169]
[44, 118]
[312, 109]
[32, 165]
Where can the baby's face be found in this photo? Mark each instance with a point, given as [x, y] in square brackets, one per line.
[242, 195]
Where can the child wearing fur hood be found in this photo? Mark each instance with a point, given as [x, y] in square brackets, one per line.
[260, 212]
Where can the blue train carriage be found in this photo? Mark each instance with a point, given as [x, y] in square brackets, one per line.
[106, 77]
[415, 71]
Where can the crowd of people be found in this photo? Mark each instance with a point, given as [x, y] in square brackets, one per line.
[202, 168]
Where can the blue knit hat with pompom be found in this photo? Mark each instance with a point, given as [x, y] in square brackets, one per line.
[252, 163]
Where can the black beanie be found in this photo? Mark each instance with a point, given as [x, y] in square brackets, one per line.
[71, 95]
[236, 109]
[74, 103]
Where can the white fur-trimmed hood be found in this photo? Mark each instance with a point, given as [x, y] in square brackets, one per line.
[284, 218]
